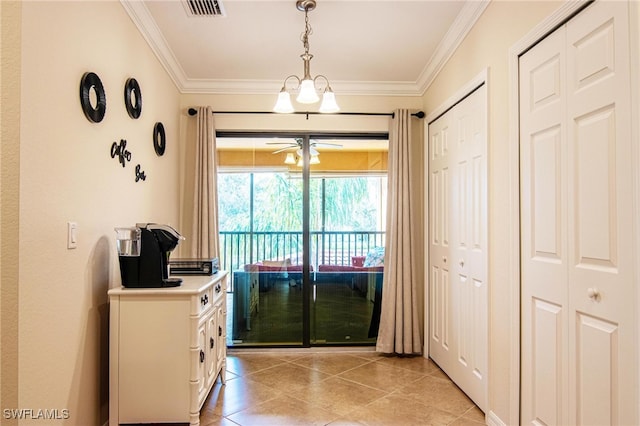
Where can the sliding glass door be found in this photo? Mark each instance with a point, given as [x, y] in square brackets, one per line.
[347, 206]
[299, 238]
[260, 215]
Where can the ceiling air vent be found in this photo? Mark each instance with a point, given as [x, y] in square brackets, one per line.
[204, 7]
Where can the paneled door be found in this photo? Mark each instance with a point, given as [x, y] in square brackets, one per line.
[578, 259]
[458, 293]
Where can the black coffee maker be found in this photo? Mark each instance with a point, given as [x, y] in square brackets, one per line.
[144, 251]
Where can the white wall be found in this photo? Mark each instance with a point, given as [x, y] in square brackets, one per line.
[67, 174]
[487, 45]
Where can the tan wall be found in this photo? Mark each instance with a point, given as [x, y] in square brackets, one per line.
[9, 199]
[66, 174]
[502, 24]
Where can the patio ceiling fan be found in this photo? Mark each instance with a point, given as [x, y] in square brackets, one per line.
[297, 145]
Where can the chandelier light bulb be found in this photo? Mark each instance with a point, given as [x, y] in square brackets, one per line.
[329, 103]
[283, 104]
[307, 93]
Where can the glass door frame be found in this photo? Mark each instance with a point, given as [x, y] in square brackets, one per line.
[306, 209]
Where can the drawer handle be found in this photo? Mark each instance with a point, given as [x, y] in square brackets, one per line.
[218, 288]
[211, 342]
[219, 331]
[204, 300]
[201, 356]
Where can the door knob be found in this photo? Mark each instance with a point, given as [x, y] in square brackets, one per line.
[444, 259]
[593, 293]
[462, 263]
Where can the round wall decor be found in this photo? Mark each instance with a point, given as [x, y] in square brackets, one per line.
[88, 82]
[133, 98]
[159, 138]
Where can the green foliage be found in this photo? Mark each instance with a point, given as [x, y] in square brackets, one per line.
[233, 201]
[278, 202]
[350, 203]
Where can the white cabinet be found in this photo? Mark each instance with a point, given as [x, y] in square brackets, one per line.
[167, 347]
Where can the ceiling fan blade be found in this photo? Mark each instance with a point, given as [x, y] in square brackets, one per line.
[281, 143]
[284, 149]
[327, 144]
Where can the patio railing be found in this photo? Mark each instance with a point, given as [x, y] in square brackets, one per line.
[333, 247]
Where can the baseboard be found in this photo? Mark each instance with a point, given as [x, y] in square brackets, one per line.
[493, 420]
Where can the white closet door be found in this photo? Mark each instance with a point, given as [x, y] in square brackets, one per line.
[543, 150]
[579, 325]
[604, 372]
[458, 245]
[440, 321]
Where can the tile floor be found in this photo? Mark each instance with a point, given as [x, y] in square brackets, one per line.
[336, 387]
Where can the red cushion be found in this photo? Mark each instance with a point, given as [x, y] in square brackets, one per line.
[357, 260]
[259, 267]
[335, 268]
[347, 268]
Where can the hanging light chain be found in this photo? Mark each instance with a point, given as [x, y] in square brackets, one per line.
[307, 32]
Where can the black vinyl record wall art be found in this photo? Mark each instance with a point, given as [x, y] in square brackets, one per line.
[159, 139]
[133, 98]
[91, 82]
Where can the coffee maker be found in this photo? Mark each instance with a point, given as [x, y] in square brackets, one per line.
[143, 252]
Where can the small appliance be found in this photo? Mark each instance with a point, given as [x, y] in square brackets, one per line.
[194, 266]
[144, 252]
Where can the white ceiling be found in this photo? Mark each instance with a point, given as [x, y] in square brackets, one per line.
[362, 47]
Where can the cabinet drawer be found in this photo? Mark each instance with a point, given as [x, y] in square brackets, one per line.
[219, 289]
[204, 301]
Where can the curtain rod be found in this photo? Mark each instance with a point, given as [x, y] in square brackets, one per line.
[419, 114]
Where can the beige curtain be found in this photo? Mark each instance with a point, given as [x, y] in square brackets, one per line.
[401, 325]
[204, 242]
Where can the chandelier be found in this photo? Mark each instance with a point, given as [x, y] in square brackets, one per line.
[306, 86]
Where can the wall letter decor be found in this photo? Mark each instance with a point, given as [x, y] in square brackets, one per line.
[121, 152]
[140, 174]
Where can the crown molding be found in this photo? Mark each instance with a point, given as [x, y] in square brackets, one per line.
[463, 23]
[141, 17]
[256, 87]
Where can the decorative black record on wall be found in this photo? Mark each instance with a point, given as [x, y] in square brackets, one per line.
[90, 81]
[133, 98]
[159, 138]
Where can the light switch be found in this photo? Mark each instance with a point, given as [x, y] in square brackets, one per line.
[72, 235]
